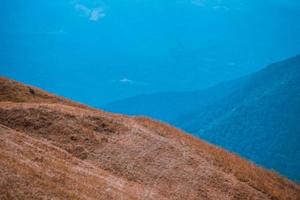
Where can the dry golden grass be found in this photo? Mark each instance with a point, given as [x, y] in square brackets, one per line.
[267, 182]
[52, 148]
[13, 91]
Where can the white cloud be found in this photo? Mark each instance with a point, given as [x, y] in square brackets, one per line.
[93, 14]
[97, 14]
[83, 9]
[126, 81]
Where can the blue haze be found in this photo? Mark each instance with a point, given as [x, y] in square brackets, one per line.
[99, 51]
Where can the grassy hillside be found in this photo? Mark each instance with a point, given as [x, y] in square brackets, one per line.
[59, 149]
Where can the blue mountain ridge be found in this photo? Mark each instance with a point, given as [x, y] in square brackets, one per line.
[256, 116]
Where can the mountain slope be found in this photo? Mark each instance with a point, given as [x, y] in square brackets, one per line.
[259, 120]
[62, 150]
[256, 116]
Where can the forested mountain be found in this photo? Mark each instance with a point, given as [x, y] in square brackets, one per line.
[256, 116]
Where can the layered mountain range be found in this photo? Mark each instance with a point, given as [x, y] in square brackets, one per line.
[256, 116]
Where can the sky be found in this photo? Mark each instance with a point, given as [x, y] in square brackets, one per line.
[98, 51]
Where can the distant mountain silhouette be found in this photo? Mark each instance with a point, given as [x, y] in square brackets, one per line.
[257, 116]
